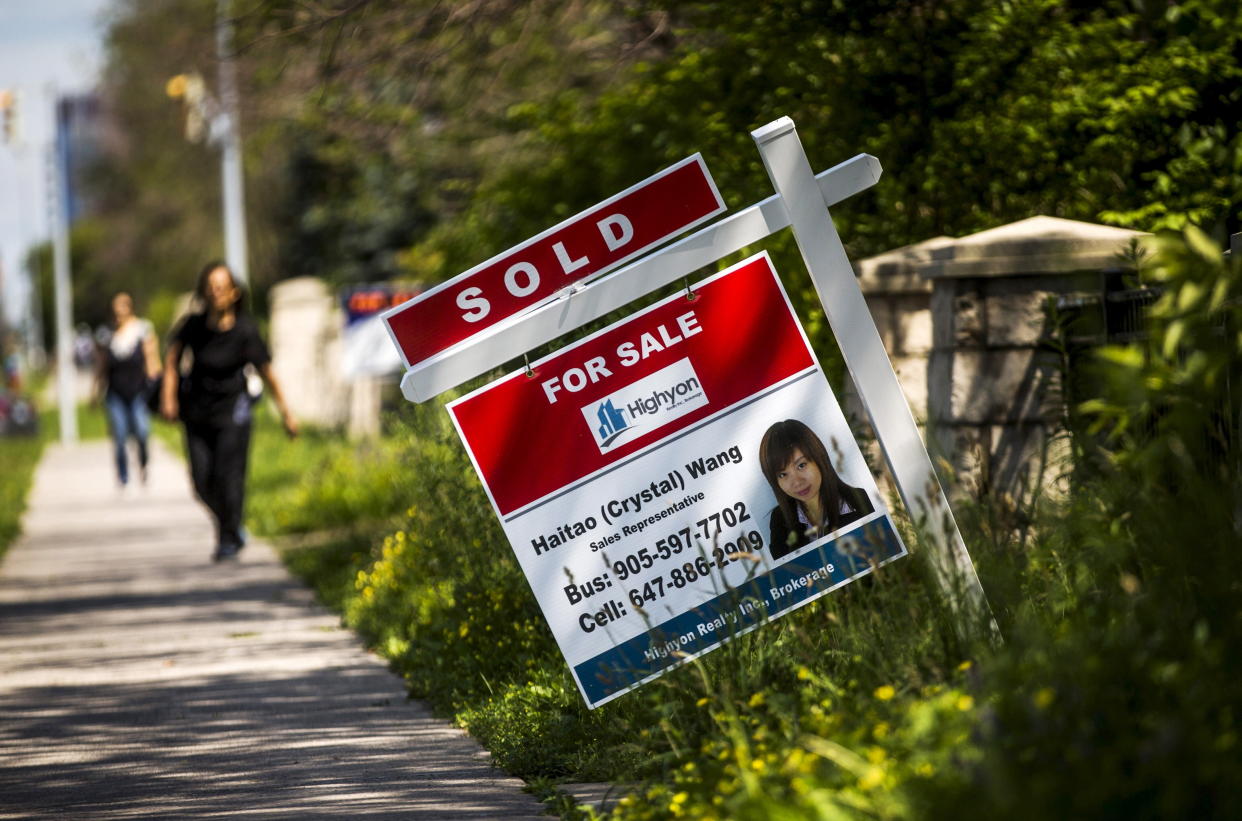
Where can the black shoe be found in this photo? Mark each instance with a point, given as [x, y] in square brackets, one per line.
[226, 553]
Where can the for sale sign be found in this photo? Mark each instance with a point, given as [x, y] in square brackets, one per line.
[585, 245]
[675, 479]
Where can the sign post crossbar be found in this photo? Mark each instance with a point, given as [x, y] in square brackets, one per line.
[502, 342]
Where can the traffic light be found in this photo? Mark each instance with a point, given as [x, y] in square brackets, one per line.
[8, 116]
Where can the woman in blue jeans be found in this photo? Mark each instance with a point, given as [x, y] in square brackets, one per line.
[128, 361]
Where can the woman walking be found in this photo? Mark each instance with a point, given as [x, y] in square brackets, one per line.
[212, 402]
[128, 362]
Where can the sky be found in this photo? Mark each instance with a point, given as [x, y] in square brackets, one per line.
[46, 47]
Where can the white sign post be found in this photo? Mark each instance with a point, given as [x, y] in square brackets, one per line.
[867, 361]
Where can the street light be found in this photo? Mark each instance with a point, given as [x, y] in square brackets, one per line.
[201, 109]
[216, 121]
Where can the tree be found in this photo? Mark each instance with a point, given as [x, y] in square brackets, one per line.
[392, 112]
[389, 139]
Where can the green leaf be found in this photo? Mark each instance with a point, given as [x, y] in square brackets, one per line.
[1172, 338]
[1128, 356]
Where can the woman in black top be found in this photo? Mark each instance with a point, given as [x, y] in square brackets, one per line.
[128, 360]
[213, 403]
[811, 499]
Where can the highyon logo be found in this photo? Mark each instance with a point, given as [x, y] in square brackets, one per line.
[652, 401]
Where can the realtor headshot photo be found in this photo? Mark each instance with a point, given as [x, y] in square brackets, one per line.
[811, 499]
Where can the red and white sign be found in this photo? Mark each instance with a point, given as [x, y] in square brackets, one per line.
[585, 245]
[528, 435]
[625, 472]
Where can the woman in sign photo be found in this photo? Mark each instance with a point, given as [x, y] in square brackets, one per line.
[811, 499]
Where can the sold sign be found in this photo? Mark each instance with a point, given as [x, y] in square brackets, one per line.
[585, 245]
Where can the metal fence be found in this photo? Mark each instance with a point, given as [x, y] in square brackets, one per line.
[1117, 315]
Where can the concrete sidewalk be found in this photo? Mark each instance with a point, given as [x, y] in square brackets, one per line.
[139, 680]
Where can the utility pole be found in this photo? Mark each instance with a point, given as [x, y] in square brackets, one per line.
[65, 376]
[12, 115]
[215, 117]
[232, 181]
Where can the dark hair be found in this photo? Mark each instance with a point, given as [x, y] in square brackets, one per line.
[132, 306]
[777, 448]
[200, 289]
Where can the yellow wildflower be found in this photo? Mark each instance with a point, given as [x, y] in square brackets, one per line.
[872, 778]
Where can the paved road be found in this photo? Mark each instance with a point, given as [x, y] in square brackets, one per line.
[139, 680]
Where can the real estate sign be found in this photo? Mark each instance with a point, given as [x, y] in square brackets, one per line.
[583, 246]
[626, 470]
[364, 351]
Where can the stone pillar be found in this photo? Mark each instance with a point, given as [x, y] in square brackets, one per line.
[305, 336]
[365, 397]
[991, 387]
[900, 303]
[994, 384]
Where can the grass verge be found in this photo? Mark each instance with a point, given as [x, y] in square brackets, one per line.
[20, 456]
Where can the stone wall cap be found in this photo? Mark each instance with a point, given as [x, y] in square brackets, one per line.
[1037, 245]
[898, 270]
[299, 289]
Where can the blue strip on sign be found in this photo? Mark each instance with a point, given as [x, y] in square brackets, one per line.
[767, 596]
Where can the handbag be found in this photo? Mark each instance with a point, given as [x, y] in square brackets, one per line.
[152, 393]
[156, 385]
[254, 384]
